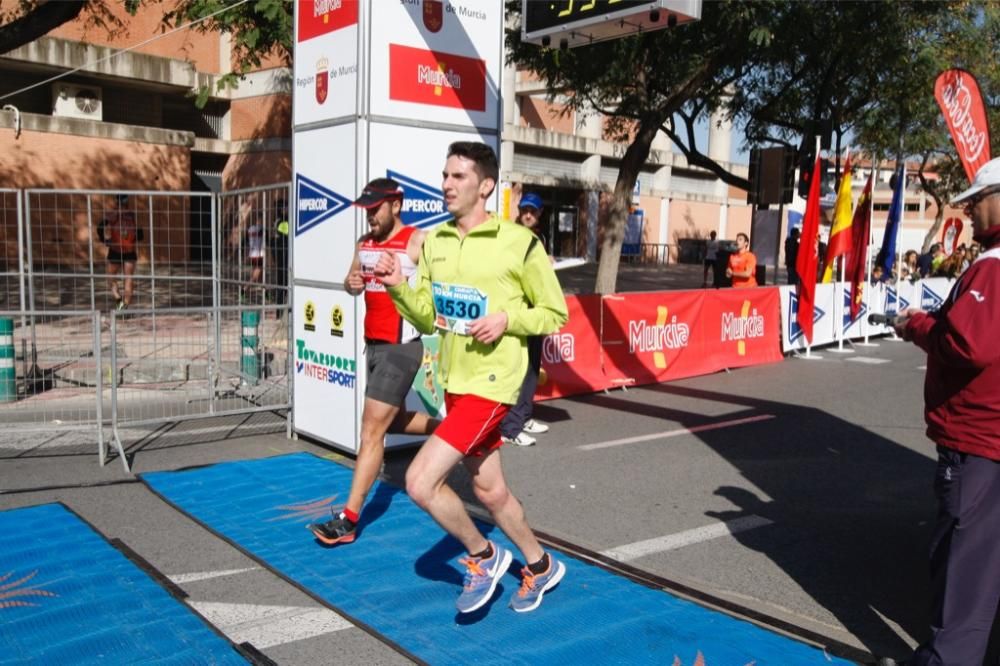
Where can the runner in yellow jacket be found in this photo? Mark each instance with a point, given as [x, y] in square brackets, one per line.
[498, 267]
[486, 284]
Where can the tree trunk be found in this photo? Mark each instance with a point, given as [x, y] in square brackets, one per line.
[932, 233]
[614, 225]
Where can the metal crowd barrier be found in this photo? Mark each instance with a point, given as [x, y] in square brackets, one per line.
[193, 363]
[180, 340]
[52, 370]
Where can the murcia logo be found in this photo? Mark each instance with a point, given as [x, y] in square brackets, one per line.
[322, 79]
[326, 16]
[437, 78]
[645, 337]
[423, 204]
[558, 348]
[747, 325]
[315, 203]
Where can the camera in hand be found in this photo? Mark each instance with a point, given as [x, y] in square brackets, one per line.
[876, 319]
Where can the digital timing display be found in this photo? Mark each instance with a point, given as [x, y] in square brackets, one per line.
[546, 14]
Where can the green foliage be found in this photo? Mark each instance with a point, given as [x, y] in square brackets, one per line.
[258, 28]
[782, 70]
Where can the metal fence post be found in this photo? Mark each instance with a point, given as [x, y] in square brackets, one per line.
[90, 253]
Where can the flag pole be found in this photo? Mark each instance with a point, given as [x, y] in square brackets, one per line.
[899, 229]
[867, 286]
[838, 305]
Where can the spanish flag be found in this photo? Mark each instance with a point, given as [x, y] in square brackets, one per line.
[840, 234]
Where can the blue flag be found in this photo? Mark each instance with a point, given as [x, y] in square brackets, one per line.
[887, 255]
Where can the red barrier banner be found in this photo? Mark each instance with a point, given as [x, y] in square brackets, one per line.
[649, 337]
[741, 327]
[645, 338]
[571, 358]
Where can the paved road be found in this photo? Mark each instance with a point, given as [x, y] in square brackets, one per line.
[798, 490]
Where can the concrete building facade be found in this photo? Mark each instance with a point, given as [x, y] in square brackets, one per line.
[128, 121]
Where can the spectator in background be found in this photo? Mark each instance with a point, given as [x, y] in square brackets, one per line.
[281, 251]
[517, 426]
[925, 262]
[910, 271]
[951, 267]
[255, 253]
[711, 256]
[792, 255]
[742, 264]
[120, 232]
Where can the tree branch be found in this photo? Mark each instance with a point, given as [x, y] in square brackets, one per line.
[38, 23]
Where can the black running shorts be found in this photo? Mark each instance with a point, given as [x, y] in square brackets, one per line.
[391, 369]
[116, 257]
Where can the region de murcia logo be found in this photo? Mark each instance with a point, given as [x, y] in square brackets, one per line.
[433, 15]
[322, 79]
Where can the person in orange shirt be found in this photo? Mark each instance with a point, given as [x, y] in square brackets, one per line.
[743, 264]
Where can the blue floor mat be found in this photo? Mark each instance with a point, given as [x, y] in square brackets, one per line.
[68, 597]
[401, 578]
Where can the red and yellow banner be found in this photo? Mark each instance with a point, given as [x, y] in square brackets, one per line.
[436, 78]
[646, 338]
[319, 17]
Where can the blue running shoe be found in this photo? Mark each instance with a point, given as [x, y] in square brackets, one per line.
[481, 578]
[534, 586]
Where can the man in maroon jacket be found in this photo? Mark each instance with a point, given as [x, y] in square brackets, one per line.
[962, 410]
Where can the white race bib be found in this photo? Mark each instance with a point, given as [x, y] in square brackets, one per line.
[457, 305]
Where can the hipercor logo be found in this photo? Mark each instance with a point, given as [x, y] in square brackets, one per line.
[423, 204]
[794, 330]
[315, 203]
[437, 78]
[319, 17]
[862, 311]
[929, 300]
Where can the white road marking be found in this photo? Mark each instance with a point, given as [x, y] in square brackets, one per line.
[674, 433]
[870, 360]
[180, 579]
[267, 626]
[662, 544]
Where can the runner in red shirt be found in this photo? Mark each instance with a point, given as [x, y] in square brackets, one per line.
[742, 265]
[120, 233]
[393, 349]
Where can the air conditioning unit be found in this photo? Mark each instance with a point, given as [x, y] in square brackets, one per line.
[75, 101]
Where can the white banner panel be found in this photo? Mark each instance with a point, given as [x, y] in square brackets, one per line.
[415, 157]
[325, 221]
[326, 60]
[437, 61]
[326, 364]
[929, 294]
